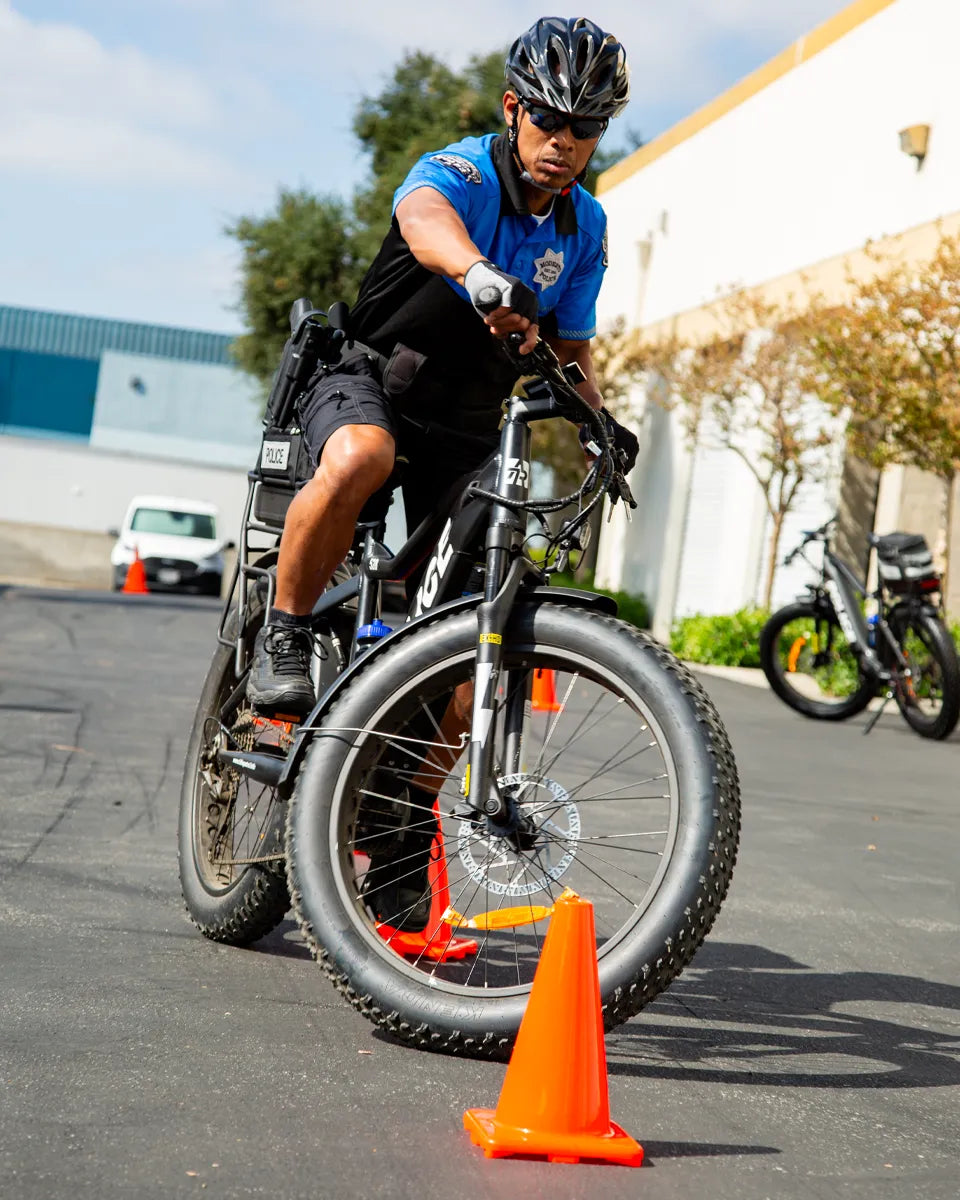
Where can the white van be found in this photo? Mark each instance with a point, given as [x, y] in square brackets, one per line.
[178, 542]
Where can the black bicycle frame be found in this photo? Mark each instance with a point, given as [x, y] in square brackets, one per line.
[842, 588]
[456, 547]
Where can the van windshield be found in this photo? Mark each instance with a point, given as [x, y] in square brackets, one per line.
[168, 520]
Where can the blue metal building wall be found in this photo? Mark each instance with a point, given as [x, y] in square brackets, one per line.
[50, 362]
[47, 393]
[87, 337]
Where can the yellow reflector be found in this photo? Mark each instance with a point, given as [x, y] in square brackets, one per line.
[504, 918]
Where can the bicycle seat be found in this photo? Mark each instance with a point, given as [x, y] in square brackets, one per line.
[891, 544]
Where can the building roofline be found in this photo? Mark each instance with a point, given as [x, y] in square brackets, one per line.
[73, 335]
[798, 52]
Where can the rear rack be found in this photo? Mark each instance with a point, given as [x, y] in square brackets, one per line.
[264, 513]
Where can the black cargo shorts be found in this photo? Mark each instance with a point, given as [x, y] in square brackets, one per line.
[352, 395]
[435, 456]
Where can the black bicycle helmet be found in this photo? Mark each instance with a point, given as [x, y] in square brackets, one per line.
[571, 65]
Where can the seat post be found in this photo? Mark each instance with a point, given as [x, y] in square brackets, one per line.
[368, 598]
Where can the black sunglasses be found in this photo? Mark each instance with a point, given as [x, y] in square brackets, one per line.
[550, 121]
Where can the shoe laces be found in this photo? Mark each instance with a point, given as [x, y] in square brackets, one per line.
[290, 648]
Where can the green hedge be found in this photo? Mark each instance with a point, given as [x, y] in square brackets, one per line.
[731, 640]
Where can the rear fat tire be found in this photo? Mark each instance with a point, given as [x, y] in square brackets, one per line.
[941, 645]
[677, 917]
[257, 901]
[770, 662]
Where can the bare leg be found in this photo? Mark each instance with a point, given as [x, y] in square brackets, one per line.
[456, 721]
[318, 531]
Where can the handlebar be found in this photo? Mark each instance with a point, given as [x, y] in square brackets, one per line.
[811, 535]
[542, 361]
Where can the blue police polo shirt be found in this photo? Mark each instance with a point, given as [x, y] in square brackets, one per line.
[562, 258]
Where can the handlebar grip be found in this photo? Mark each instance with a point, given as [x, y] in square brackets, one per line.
[489, 299]
[298, 310]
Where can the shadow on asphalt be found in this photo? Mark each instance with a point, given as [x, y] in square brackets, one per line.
[746, 1015]
[285, 941]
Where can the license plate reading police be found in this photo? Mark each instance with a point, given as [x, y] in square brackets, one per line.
[274, 456]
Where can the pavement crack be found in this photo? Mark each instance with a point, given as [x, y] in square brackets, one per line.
[71, 803]
[68, 759]
[150, 795]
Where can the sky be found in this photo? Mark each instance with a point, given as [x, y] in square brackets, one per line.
[131, 133]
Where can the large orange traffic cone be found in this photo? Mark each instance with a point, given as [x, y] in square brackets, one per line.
[136, 580]
[544, 697]
[554, 1101]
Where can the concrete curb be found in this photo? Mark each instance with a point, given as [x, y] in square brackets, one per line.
[751, 676]
[754, 677]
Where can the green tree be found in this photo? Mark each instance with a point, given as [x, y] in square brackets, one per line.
[423, 107]
[751, 388]
[889, 359]
[305, 247]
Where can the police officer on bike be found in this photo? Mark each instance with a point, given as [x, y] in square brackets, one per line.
[426, 376]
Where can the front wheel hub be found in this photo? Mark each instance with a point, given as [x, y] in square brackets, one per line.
[533, 849]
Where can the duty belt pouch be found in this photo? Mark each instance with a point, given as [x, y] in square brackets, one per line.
[283, 458]
[401, 370]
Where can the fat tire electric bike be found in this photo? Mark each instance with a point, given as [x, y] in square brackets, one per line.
[584, 755]
[826, 660]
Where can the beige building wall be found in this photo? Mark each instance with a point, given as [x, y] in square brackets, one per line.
[776, 185]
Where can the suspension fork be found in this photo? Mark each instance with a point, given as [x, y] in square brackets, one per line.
[503, 579]
[517, 687]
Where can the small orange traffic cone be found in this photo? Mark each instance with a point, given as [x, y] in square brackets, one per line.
[437, 941]
[136, 580]
[544, 697]
[554, 1101]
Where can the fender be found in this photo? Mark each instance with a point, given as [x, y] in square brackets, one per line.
[537, 595]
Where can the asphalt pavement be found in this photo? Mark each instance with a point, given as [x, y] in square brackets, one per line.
[812, 1050]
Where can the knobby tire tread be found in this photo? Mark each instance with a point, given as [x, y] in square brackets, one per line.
[258, 901]
[655, 975]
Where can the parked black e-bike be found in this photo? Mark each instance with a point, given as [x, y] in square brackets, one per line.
[524, 736]
[826, 660]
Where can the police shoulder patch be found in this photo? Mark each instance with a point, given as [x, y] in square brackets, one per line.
[606, 250]
[466, 168]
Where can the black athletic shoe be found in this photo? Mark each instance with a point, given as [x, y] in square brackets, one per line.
[280, 673]
[396, 887]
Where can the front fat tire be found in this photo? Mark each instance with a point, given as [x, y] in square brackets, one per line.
[258, 900]
[673, 925]
[770, 663]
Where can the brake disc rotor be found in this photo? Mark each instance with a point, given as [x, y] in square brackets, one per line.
[493, 861]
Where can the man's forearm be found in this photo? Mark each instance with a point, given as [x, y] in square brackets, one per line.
[437, 238]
